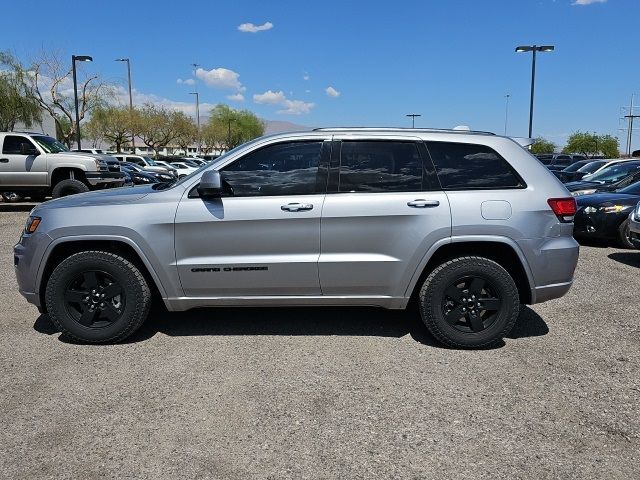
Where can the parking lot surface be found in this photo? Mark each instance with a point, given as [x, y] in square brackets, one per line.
[327, 393]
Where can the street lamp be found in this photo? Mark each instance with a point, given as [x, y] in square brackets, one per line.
[534, 49]
[197, 118]
[413, 118]
[74, 59]
[506, 113]
[133, 138]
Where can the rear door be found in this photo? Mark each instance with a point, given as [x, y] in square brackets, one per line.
[18, 169]
[383, 211]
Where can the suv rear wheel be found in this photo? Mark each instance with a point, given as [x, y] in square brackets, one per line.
[97, 297]
[469, 302]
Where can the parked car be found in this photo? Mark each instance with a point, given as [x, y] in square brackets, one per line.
[183, 169]
[606, 215]
[209, 157]
[141, 177]
[466, 224]
[143, 162]
[97, 151]
[634, 226]
[37, 166]
[611, 178]
[571, 170]
[155, 176]
[558, 161]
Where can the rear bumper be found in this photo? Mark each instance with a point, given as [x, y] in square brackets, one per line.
[105, 178]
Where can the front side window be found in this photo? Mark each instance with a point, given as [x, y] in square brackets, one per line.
[380, 166]
[281, 169]
[12, 144]
[50, 145]
[462, 166]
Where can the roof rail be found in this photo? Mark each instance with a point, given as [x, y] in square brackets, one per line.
[401, 129]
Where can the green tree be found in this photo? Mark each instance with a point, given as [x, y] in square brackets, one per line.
[591, 144]
[16, 105]
[112, 124]
[157, 126]
[540, 145]
[186, 131]
[227, 128]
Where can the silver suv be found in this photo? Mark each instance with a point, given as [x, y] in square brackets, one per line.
[468, 225]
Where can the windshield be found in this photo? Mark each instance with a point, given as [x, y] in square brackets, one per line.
[575, 166]
[591, 166]
[49, 145]
[613, 173]
[633, 189]
[151, 161]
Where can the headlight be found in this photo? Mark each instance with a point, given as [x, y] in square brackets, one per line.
[32, 224]
[145, 179]
[583, 192]
[590, 209]
[615, 208]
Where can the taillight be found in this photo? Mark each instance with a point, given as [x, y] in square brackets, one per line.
[564, 208]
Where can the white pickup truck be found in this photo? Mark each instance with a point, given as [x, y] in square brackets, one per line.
[35, 165]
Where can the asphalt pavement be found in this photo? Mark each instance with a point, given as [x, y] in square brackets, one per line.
[327, 392]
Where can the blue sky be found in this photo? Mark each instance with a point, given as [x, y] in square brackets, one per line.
[451, 61]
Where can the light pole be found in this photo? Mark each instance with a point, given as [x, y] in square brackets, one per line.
[506, 113]
[133, 139]
[534, 49]
[413, 118]
[197, 118]
[74, 59]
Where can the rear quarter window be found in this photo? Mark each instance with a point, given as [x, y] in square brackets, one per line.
[462, 166]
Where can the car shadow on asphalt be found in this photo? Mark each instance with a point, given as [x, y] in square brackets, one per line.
[16, 207]
[340, 321]
[628, 258]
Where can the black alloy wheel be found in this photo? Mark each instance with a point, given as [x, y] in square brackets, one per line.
[94, 299]
[471, 304]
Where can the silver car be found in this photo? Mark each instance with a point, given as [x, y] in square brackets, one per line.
[468, 225]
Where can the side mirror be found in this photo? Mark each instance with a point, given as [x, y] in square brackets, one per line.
[26, 149]
[210, 184]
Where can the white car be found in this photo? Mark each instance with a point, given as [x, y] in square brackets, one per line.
[183, 169]
[143, 162]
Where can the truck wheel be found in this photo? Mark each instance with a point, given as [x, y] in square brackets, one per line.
[624, 235]
[97, 297]
[68, 187]
[469, 302]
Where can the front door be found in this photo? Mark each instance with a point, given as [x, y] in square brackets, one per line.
[383, 211]
[21, 170]
[261, 238]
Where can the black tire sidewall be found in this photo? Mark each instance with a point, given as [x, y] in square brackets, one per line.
[432, 295]
[69, 187]
[135, 295]
[622, 236]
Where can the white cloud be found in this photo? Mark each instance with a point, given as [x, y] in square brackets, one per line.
[332, 92]
[290, 107]
[251, 28]
[306, 77]
[188, 81]
[220, 78]
[270, 97]
[236, 97]
[587, 2]
[296, 107]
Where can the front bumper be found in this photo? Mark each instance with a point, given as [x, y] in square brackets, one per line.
[115, 179]
[634, 229]
[27, 254]
[597, 225]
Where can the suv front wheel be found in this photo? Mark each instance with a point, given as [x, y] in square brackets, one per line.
[469, 302]
[97, 297]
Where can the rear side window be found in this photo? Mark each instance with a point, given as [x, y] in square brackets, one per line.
[463, 166]
[380, 166]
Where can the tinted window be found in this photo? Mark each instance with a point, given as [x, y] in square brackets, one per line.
[633, 189]
[281, 169]
[380, 167]
[467, 166]
[613, 173]
[12, 144]
[563, 162]
[592, 166]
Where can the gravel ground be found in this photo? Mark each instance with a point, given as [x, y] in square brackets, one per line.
[327, 393]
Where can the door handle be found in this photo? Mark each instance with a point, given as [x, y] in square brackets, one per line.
[420, 203]
[4, 160]
[296, 207]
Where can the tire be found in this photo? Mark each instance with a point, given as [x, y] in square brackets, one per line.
[11, 197]
[624, 238]
[455, 317]
[68, 187]
[75, 306]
